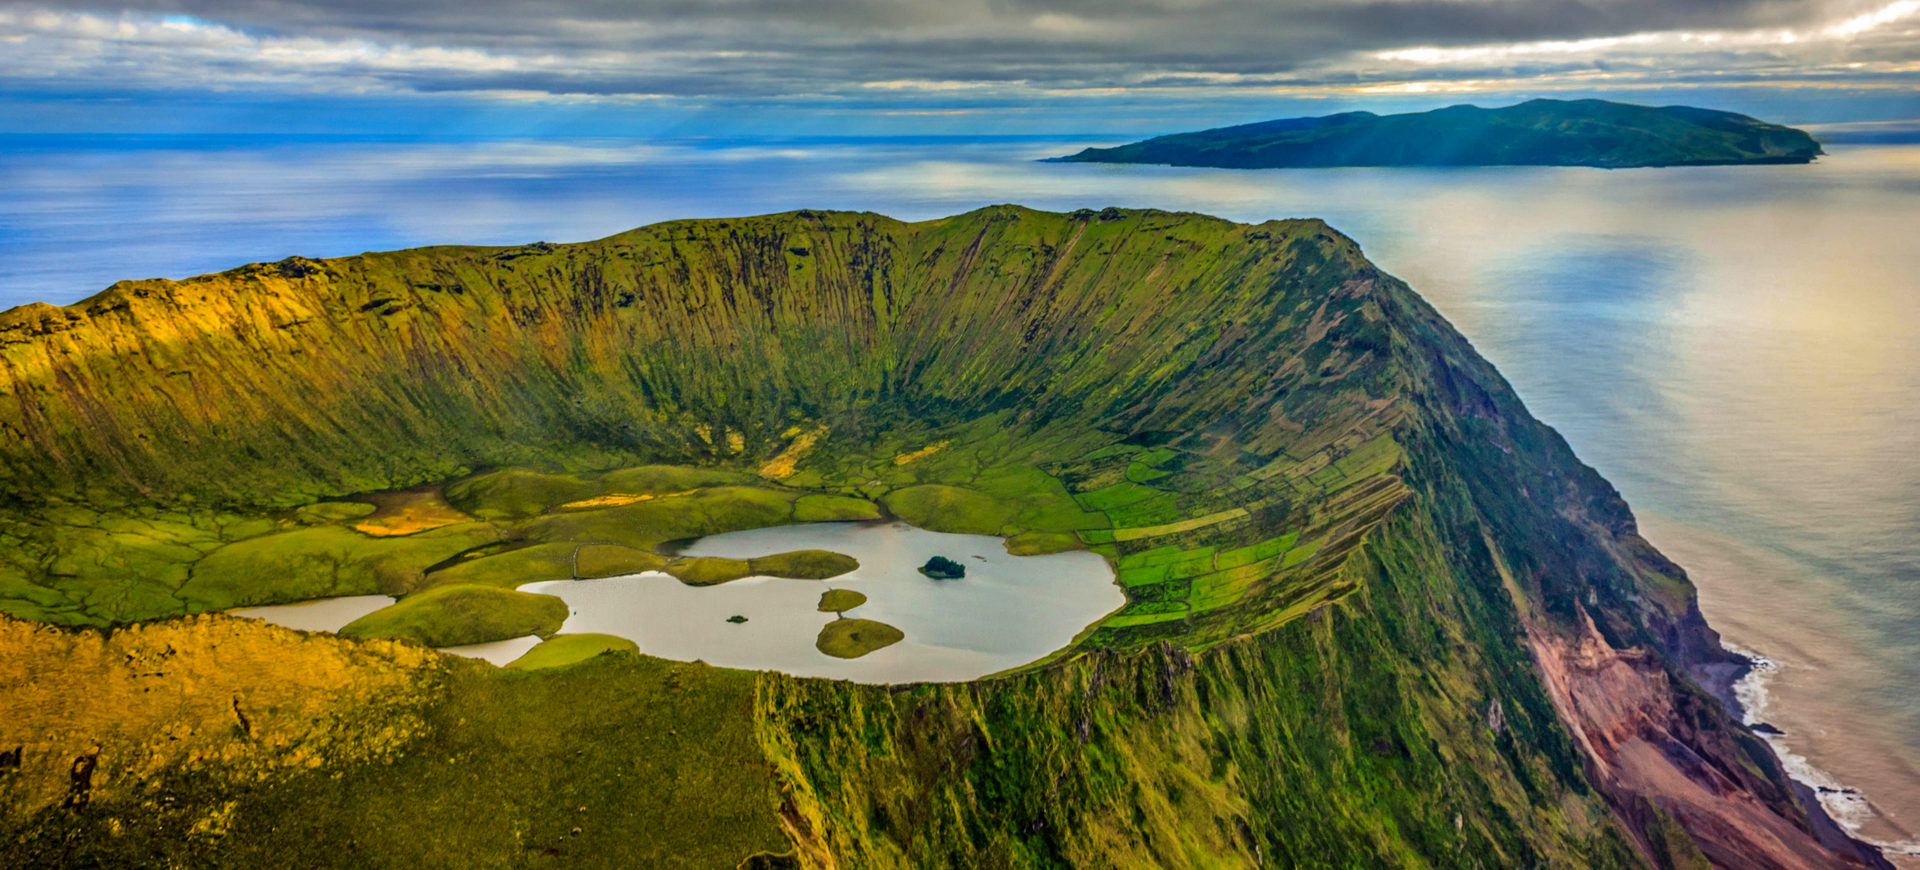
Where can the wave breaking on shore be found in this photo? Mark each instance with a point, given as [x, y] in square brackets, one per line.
[1844, 804]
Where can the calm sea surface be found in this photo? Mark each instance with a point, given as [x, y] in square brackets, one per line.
[1737, 348]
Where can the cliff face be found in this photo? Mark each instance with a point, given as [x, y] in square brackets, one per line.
[1377, 613]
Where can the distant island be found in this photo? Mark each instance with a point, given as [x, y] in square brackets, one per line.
[1534, 133]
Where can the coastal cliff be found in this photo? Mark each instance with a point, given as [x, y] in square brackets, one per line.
[1377, 614]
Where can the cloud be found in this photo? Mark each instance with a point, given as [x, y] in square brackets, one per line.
[953, 53]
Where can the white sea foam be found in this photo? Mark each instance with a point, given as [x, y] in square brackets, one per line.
[1846, 805]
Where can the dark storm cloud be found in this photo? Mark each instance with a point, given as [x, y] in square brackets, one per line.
[772, 48]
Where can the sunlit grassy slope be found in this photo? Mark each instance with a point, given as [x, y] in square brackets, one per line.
[1333, 522]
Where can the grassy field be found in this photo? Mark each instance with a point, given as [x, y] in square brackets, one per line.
[607, 560]
[458, 615]
[561, 650]
[797, 565]
[803, 564]
[852, 638]
[517, 493]
[377, 754]
[322, 561]
[840, 600]
[708, 570]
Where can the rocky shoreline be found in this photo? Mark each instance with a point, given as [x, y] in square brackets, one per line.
[1722, 680]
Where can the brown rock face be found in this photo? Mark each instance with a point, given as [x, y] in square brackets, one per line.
[1659, 768]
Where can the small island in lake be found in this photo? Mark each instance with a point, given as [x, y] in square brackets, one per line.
[840, 600]
[943, 568]
[852, 638]
[1596, 133]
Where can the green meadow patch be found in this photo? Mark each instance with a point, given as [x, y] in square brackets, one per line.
[840, 600]
[517, 493]
[567, 649]
[321, 562]
[852, 638]
[459, 615]
[796, 565]
[510, 568]
[820, 508]
[611, 560]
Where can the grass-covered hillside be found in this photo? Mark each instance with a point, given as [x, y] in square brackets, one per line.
[1376, 614]
[1534, 133]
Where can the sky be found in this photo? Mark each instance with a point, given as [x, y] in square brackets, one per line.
[850, 67]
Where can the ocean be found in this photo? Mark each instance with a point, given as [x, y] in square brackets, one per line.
[1736, 348]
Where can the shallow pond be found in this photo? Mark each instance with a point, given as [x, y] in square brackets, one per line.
[498, 652]
[320, 614]
[1006, 612]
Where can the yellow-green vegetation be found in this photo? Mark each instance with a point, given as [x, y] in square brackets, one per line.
[664, 479]
[797, 564]
[708, 570]
[610, 560]
[800, 442]
[319, 562]
[408, 512]
[804, 564]
[922, 453]
[852, 638]
[567, 649]
[944, 508]
[228, 743]
[840, 600]
[647, 524]
[207, 690]
[1042, 543]
[997, 501]
[517, 493]
[833, 508]
[509, 568]
[460, 615]
[332, 511]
